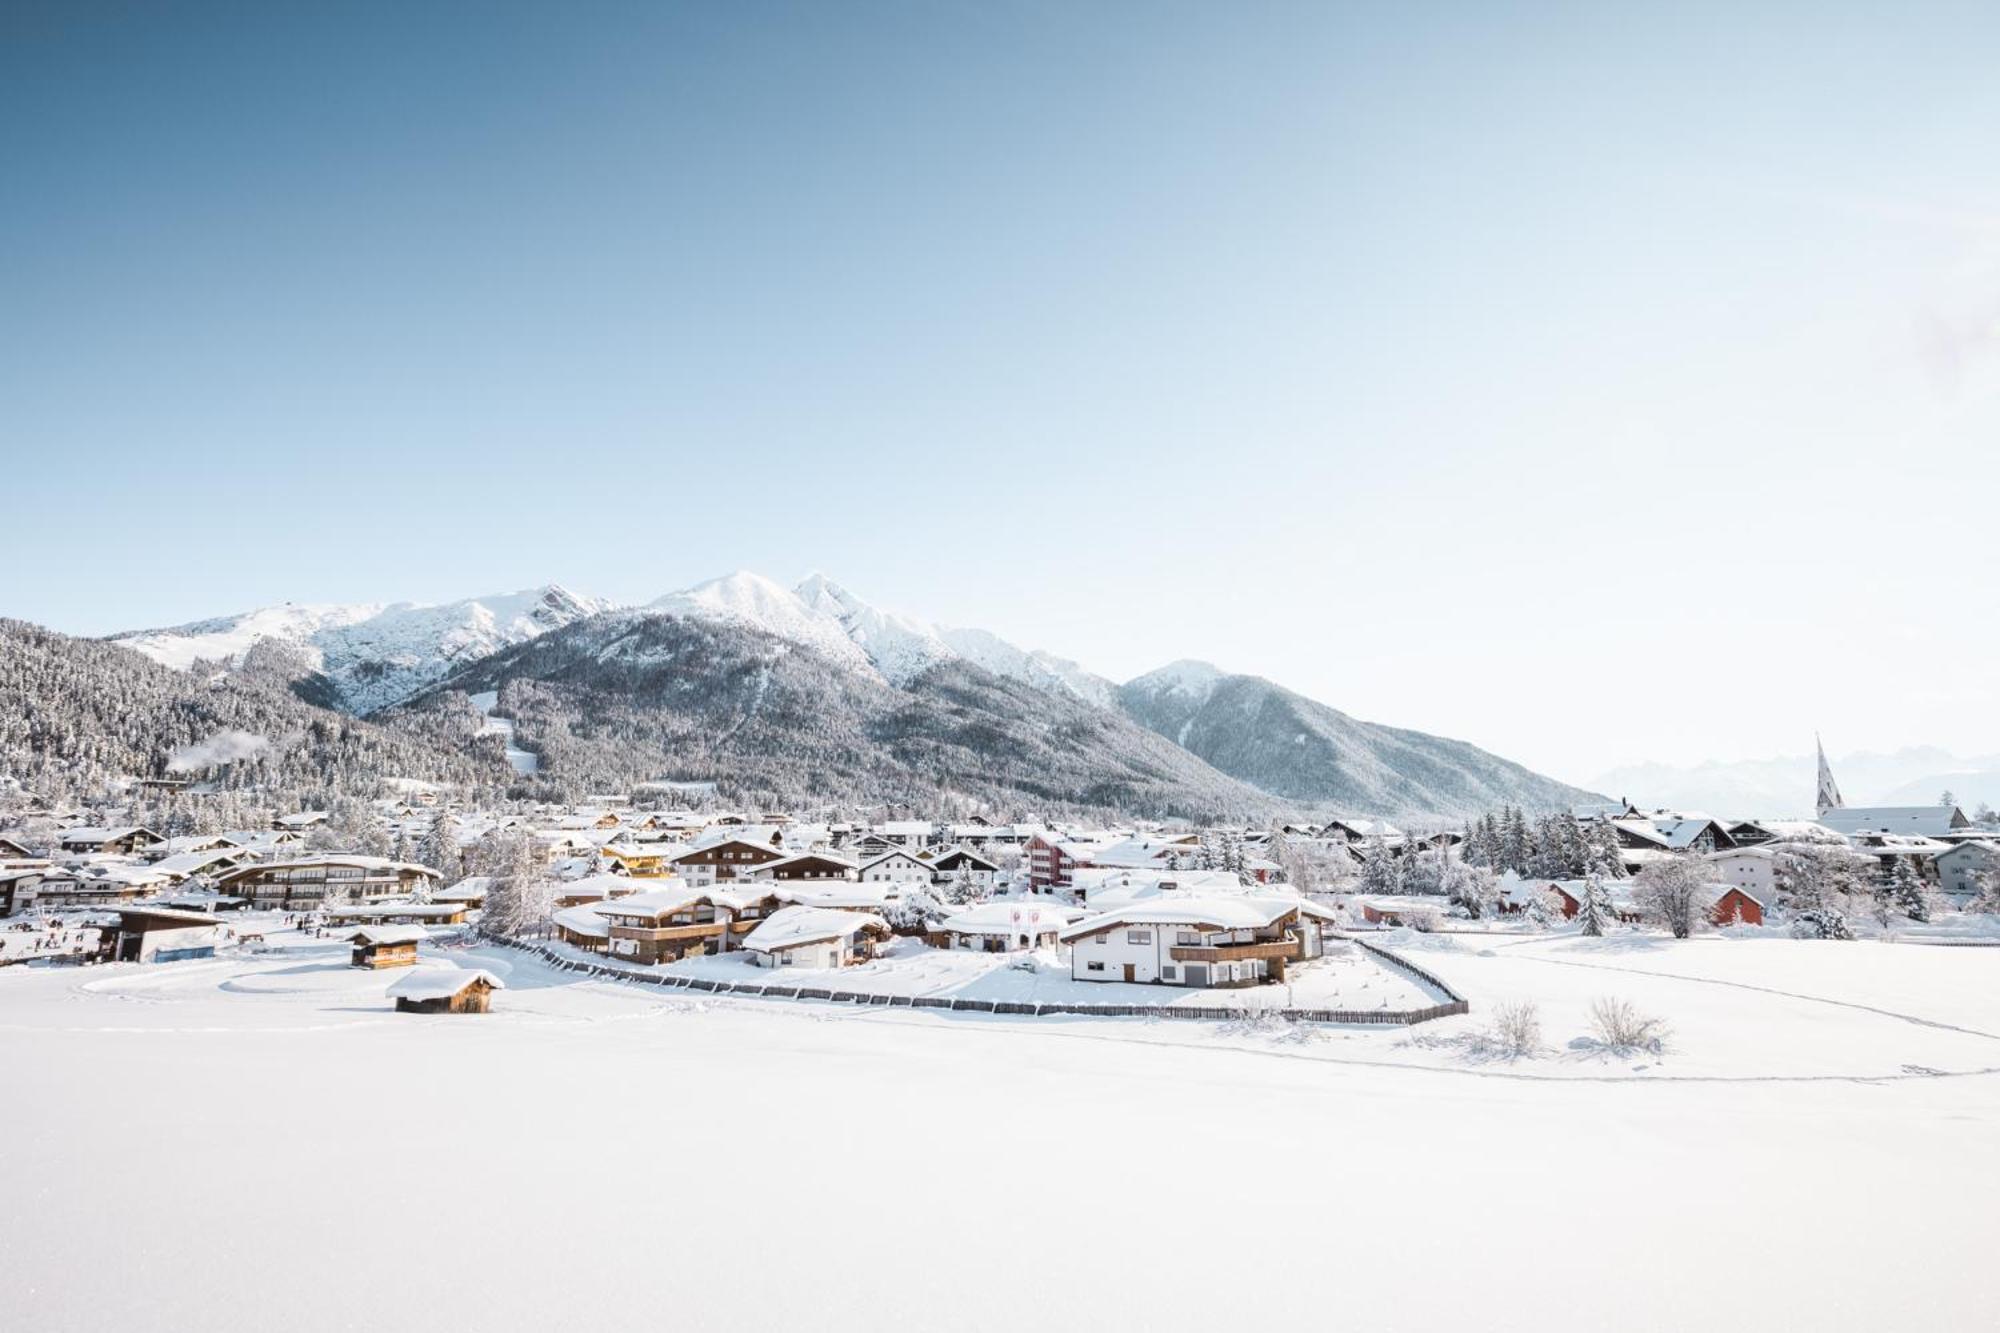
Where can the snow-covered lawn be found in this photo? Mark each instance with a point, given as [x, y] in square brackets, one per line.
[1737, 1007]
[259, 1142]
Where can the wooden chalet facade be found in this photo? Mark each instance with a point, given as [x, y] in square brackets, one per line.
[667, 926]
[309, 883]
[721, 862]
[113, 841]
[385, 946]
[806, 866]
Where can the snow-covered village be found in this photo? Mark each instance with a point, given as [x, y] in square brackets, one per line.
[847, 665]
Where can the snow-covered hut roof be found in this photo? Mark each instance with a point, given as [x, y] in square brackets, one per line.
[440, 983]
[390, 935]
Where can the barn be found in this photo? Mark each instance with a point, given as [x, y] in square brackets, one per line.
[1737, 907]
[444, 990]
[387, 946]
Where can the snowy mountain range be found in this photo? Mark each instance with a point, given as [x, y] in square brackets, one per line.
[373, 655]
[1240, 729]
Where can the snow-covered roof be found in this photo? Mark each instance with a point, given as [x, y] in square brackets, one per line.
[440, 983]
[91, 833]
[390, 935]
[609, 886]
[1929, 821]
[416, 910]
[843, 894]
[671, 897]
[165, 914]
[1220, 913]
[381, 863]
[584, 920]
[898, 854]
[789, 927]
[193, 863]
[466, 890]
[1143, 852]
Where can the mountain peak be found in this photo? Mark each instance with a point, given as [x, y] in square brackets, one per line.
[752, 599]
[1189, 676]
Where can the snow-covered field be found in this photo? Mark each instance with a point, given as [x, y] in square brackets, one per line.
[258, 1142]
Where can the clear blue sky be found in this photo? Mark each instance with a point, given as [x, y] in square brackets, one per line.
[1595, 384]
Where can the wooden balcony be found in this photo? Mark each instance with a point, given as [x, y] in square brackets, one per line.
[699, 930]
[1286, 948]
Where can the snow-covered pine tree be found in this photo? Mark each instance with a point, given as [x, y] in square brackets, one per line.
[1814, 884]
[1516, 844]
[1575, 846]
[439, 849]
[1907, 891]
[1379, 872]
[1593, 912]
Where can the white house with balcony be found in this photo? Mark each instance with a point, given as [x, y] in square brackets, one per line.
[1197, 942]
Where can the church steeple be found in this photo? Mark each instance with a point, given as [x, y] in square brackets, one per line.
[1829, 791]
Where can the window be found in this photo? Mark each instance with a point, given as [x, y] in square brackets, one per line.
[1170, 973]
[1188, 937]
[1138, 937]
[1093, 967]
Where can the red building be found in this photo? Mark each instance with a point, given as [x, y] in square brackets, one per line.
[1737, 908]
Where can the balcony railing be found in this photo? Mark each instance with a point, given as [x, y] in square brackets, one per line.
[1287, 947]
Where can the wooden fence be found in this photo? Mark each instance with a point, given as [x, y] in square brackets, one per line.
[1453, 1003]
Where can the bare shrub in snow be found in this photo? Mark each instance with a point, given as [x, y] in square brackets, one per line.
[1517, 1029]
[1621, 1027]
[1423, 920]
[1675, 892]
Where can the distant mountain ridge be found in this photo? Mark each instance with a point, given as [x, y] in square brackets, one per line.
[1784, 786]
[1238, 731]
[639, 696]
[1291, 746]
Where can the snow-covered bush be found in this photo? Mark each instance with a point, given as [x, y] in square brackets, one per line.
[1621, 1027]
[1470, 887]
[1544, 909]
[1675, 893]
[1517, 1029]
[1423, 920]
[917, 909]
[1821, 922]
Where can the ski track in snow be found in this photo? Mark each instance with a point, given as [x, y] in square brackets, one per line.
[1917, 1019]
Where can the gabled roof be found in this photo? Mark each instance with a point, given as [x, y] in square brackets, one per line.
[440, 983]
[86, 833]
[1216, 913]
[964, 854]
[902, 852]
[390, 935]
[732, 841]
[789, 927]
[1928, 821]
[830, 858]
